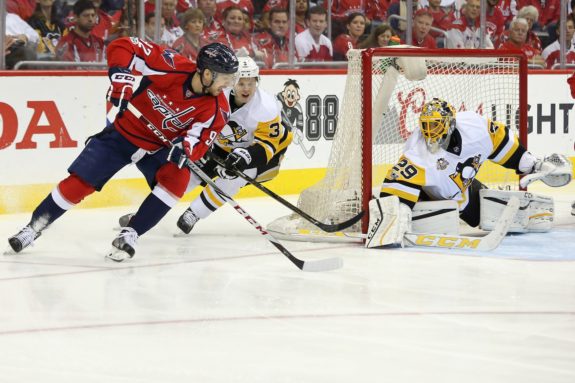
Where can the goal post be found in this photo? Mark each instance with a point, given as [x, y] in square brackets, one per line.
[384, 92]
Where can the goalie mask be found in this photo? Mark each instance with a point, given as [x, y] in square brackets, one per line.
[437, 122]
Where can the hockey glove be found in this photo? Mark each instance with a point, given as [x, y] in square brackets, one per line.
[121, 87]
[238, 159]
[180, 152]
[177, 155]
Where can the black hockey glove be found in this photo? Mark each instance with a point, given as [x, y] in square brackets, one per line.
[238, 159]
[121, 87]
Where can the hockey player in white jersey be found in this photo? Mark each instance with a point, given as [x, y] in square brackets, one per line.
[254, 142]
[440, 162]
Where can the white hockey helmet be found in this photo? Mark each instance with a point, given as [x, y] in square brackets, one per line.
[248, 68]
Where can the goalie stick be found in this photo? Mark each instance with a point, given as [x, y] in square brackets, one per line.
[485, 243]
[329, 228]
[317, 265]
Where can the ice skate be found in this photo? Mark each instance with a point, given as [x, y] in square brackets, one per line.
[125, 219]
[573, 208]
[123, 247]
[187, 221]
[23, 239]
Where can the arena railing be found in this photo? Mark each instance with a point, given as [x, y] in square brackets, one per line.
[60, 64]
[311, 64]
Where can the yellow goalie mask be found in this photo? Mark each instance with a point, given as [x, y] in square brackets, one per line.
[436, 122]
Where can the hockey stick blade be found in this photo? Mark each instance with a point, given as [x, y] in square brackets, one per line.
[318, 265]
[486, 243]
[329, 228]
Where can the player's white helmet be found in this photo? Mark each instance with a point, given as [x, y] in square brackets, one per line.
[248, 68]
[437, 122]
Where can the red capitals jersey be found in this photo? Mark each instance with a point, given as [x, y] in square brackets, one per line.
[74, 47]
[341, 45]
[276, 48]
[525, 48]
[165, 98]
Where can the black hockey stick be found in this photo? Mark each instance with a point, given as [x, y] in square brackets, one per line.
[317, 265]
[330, 228]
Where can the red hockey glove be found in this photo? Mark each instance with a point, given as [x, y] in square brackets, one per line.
[571, 82]
[121, 87]
[180, 152]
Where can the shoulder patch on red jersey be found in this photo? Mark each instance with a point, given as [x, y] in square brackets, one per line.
[168, 56]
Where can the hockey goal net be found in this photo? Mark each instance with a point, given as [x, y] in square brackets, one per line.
[384, 92]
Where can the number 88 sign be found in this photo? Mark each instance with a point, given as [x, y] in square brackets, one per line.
[321, 117]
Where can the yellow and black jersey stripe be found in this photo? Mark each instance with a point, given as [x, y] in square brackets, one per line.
[270, 139]
[404, 180]
[507, 150]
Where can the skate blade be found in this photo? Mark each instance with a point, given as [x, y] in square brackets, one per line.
[181, 234]
[9, 251]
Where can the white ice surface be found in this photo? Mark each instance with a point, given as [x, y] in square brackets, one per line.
[225, 306]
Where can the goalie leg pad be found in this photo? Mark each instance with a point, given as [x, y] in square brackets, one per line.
[389, 220]
[440, 217]
[535, 214]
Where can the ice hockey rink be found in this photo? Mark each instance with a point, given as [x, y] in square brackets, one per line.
[223, 305]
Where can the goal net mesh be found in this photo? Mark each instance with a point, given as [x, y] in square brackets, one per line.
[400, 85]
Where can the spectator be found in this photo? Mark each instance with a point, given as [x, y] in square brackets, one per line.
[212, 28]
[340, 11]
[376, 10]
[150, 29]
[127, 20]
[518, 41]
[50, 29]
[443, 17]
[509, 10]
[190, 43]
[311, 44]
[22, 40]
[277, 4]
[548, 12]
[274, 43]
[23, 8]
[380, 37]
[104, 23]
[552, 51]
[531, 14]
[399, 8]
[355, 25]
[246, 6]
[494, 21]
[80, 45]
[465, 31]
[235, 36]
[421, 26]
[301, 7]
[173, 30]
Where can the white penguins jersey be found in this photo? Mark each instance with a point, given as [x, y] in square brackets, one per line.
[448, 173]
[257, 126]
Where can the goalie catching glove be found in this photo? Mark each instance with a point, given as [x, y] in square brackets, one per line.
[554, 170]
[121, 87]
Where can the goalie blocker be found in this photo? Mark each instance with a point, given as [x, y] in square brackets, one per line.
[390, 220]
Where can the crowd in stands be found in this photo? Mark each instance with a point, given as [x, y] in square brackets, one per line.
[78, 30]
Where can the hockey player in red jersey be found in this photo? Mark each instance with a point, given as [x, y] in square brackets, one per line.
[185, 102]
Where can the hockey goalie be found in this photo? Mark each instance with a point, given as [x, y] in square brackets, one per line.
[433, 183]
